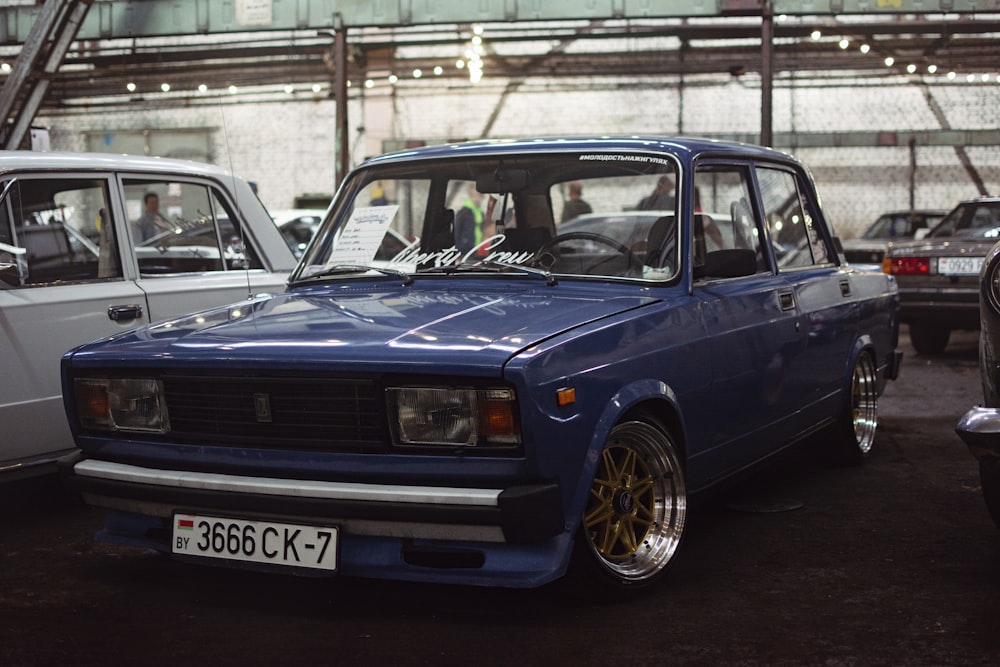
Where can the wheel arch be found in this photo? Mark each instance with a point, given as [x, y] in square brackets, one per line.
[649, 397]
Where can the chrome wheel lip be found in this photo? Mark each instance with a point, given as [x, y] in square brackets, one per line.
[864, 403]
[658, 471]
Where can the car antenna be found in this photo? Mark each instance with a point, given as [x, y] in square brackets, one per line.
[238, 223]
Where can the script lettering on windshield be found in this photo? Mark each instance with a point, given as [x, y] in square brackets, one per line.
[487, 250]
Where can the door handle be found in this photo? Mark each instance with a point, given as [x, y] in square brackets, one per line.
[786, 300]
[125, 313]
[845, 288]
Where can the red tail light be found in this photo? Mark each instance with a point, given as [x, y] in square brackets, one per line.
[907, 266]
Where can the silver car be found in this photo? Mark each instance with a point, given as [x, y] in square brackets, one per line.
[868, 250]
[94, 244]
[938, 276]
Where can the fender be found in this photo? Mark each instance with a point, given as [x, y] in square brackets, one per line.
[626, 398]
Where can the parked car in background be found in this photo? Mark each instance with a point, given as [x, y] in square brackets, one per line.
[868, 250]
[298, 226]
[938, 275]
[75, 265]
[544, 403]
[979, 428]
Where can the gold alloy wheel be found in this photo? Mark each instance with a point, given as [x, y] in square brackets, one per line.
[635, 516]
[864, 403]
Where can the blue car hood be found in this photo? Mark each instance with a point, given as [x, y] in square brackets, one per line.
[354, 328]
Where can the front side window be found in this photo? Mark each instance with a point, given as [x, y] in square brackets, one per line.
[587, 216]
[724, 218]
[182, 227]
[57, 231]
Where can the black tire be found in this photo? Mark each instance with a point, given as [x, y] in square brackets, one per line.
[855, 435]
[634, 520]
[929, 338]
[989, 476]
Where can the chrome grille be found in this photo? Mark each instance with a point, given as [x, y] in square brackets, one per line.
[295, 413]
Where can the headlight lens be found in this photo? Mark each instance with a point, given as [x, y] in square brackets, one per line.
[121, 404]
[465, 417]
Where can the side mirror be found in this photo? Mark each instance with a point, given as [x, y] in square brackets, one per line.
[9, 274]
[728, 263]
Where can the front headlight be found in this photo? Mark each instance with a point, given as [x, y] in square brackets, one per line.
[448, 417]
[121, 404]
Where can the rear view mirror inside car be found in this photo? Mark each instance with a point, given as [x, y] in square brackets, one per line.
[502, 180]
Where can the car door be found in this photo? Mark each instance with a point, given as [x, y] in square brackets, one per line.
[202, 254]
[752, 322]
[64, 285]
[823, 295]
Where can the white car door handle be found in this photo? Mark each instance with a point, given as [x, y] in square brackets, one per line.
[124, 313]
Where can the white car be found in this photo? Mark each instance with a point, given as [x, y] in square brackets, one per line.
[74, 267]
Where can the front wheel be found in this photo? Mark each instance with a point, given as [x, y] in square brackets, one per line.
[989, 477]
[634, 519]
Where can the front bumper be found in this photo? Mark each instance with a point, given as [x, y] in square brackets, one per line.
[979, 429]
[520, 514]
[516, 536]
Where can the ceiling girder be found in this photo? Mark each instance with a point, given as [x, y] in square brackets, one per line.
[118, 19]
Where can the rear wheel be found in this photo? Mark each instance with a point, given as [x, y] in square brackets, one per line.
[856, 433]
[989, 476]
[634, 519]
[929, 338]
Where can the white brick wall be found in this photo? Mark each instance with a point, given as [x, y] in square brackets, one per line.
[288, 148]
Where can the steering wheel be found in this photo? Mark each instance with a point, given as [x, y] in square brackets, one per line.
[633, 263]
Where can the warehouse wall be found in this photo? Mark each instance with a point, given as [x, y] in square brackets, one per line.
[288, 147]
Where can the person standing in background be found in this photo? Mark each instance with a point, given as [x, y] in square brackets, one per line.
[575, 206]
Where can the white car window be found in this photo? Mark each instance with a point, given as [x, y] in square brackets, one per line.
[185, 227]
[58, 230]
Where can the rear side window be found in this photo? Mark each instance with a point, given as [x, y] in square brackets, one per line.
[56, 231]
[792, 229]
[185, 227]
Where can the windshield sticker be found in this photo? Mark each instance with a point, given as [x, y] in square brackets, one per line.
[487, 251]
[624, 158]
[362, 235]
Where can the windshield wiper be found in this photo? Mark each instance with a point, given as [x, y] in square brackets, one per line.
[341, 269]
[489, 265]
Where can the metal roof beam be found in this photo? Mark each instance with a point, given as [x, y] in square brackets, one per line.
[116, 19]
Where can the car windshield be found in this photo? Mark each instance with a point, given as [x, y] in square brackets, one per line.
[900, 225]
[975, 218]
[572, 215]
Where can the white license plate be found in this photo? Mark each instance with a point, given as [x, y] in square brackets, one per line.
[959, 266]
[255, 541]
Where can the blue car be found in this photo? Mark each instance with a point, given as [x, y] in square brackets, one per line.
[499, 402]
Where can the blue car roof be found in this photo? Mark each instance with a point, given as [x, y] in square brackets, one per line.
[682, 146]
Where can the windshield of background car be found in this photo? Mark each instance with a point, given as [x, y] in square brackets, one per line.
[900, 225]
[572, 214]
[970, 219]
